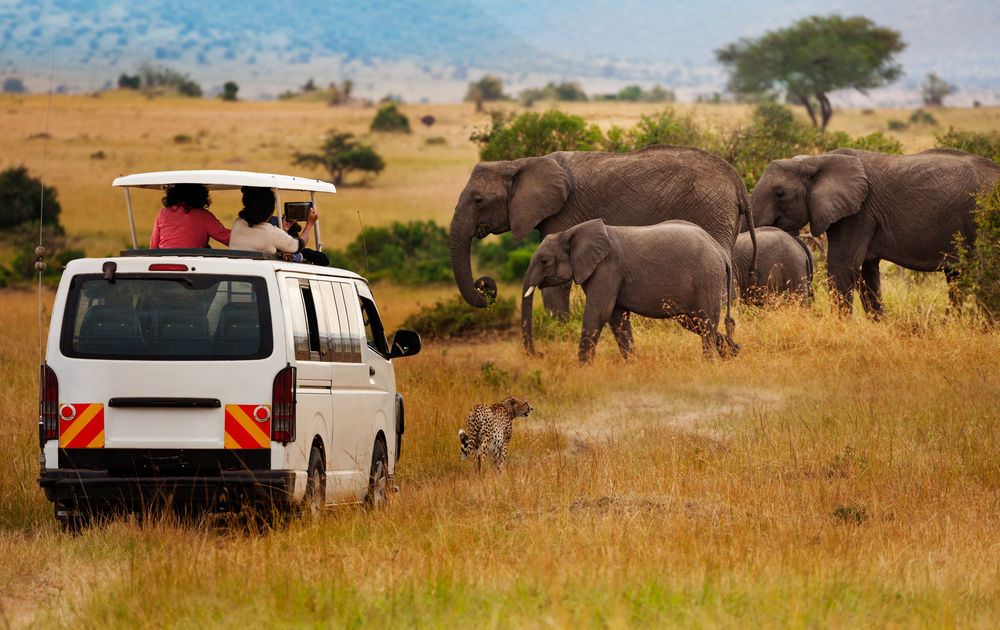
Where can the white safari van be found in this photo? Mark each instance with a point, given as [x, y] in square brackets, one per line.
[216, 379]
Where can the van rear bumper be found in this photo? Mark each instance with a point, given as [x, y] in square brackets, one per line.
[222, 488]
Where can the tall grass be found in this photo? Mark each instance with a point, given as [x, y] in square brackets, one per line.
[839, 473]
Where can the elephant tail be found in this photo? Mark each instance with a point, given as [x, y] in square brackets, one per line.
[809, 268]
[747, 213]
[730, 322]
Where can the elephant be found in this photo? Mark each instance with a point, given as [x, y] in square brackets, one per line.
[874, 206]
[672, 270]
[559, 190]
[784, 264]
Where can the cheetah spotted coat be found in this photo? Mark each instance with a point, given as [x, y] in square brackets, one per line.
[490, 429]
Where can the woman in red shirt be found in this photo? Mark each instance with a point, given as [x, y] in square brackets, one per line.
[185, 222]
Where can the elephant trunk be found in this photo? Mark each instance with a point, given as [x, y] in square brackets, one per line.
[527, 299]
[462, 233]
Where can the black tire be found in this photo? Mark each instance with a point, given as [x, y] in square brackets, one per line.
[315, 498]
[378, 478]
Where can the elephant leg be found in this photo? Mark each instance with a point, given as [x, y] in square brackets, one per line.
[594, 318]
[843, 278]
[871, 289]
[556, 300]
[621, 327]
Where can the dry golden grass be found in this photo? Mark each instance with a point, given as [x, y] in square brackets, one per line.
[839, 473]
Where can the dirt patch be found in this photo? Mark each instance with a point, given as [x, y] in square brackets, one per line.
[704, 412]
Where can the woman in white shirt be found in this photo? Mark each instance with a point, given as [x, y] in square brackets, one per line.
[252, 232]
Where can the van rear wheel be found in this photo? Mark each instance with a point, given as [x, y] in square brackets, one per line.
[378, 479]
[315, 497]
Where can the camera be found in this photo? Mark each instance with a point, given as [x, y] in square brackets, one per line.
[297, 210]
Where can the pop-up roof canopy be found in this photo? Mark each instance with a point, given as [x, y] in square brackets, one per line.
[222, 180]
[219, 180]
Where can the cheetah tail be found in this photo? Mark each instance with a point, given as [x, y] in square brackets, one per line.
[466, 448]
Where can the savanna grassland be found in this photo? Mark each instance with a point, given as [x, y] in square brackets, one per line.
[839, 473]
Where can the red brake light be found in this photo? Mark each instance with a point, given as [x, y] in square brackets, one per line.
[168, 267]
[283, 406]
[48, 405]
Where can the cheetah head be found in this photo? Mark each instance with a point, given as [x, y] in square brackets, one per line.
[518, 406]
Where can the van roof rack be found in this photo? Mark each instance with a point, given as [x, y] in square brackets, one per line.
[203, 253]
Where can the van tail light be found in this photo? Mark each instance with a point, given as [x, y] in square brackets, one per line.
[48, 406]
[283, 406]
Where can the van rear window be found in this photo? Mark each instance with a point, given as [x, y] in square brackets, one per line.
[164, 317]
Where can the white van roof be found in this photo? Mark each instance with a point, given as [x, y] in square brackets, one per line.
[222, 180]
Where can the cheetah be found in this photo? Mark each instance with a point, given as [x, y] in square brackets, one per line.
[491, 428]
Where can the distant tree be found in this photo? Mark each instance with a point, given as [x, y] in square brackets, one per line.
[815, 56]
[340, 94]
[14, 85]
[169, 78]
[310, 86]
[229, 91]
[125, 82]
[20, 199]
[339, 155]
[630, 93]
[390, 119]
[489, 88]
[934, 91]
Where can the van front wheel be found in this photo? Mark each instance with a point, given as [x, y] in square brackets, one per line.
[378, 480]
[315, 484]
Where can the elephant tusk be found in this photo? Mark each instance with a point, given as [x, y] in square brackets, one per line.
[529, 291]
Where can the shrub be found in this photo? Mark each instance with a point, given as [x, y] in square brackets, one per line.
[413, 253]
[439, 140]
[488, 88]
[23, 264]
[340, 155]
[979, 269]
[14, 85]
[183, 138]
[986, 145]
[390, 119]
[229, 91]
[897, 125]
[877, 142]
[21, 198]
[456, 318]
[920, 117]
[125, 82]
[503, 257]
[533, 135]
[167, 78]
[667, 127]
[552, 92]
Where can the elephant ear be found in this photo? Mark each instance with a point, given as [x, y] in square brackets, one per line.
[587, 244]
[838, 186]
[539, 189]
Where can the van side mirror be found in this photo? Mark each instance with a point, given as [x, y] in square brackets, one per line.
[405, 343]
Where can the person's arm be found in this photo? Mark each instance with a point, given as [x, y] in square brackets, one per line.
[154, 241]
[285, 243]
[215, 229]
[313, 217]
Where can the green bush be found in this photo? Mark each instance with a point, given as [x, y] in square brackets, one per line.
[340, 155]
[979, 269]
[390, 119]
[562, 92]
[503, 257]
[456, 318]
[986, 145]
[21, 197]
[531, 135]
[666, 127]
[488, 88]
[413, 253]
[23, 264]
[229, 91]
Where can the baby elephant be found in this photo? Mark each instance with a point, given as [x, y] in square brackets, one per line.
[669, 270]
[784, 264]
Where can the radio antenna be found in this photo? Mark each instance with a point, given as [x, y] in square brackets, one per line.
[364, 245]
[40, 251]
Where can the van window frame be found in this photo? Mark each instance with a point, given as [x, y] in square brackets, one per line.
[259, 284]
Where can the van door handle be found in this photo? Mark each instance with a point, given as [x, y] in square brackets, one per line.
[371, 371]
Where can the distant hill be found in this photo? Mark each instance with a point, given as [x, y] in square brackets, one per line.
[424, 49]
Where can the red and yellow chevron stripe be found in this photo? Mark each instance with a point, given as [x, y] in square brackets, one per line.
[248, 426]
[81, 425]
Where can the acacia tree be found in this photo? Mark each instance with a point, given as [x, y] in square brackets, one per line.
[813, 57]
[340, 154]
[934, 91]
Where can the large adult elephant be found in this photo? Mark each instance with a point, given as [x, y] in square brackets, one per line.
[874, 206]
[559, 190]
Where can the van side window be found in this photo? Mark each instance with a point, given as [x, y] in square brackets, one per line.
[373, 327]
[304, 326]
[349, 301]
[334, 341]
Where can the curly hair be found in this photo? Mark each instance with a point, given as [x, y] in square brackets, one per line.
[191, 195]
[258, 204]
